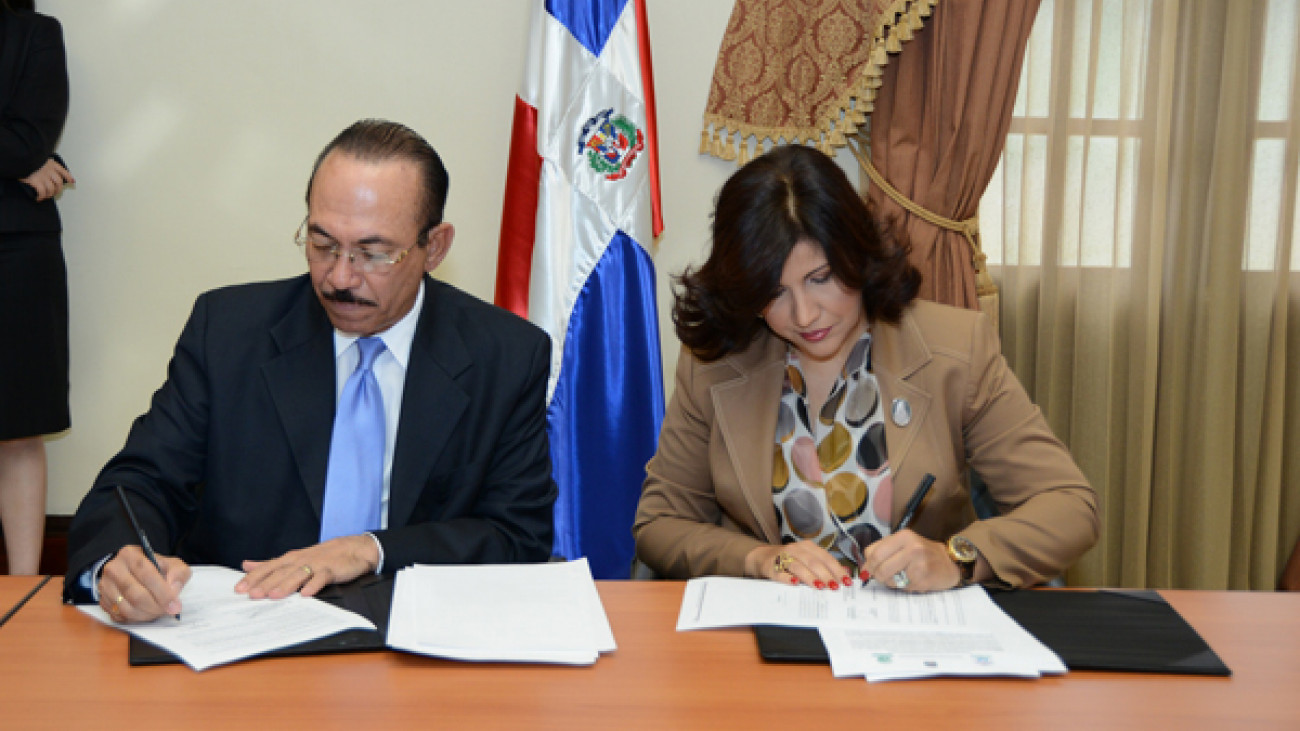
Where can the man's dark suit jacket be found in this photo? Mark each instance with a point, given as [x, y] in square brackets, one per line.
[229, 462]
[33, 106]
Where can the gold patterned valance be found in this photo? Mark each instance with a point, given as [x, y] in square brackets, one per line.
[802, 71]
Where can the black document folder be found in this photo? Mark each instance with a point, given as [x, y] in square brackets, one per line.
[1130, 630]
[369, 596]
[1118, 630]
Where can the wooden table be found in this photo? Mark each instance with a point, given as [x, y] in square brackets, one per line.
[59, 668]
[13, 589]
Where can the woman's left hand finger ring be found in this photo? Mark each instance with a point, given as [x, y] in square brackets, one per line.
[307, 570]
[900, 579]
[783, 562]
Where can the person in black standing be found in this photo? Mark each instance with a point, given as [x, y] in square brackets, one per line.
[33, 278]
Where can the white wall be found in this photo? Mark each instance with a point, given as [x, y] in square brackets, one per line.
[194, 125]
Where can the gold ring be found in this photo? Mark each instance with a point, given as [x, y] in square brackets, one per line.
[308, 570]
[783, 562]
[118, 600]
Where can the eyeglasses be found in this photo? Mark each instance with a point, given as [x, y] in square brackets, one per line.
[370, 261]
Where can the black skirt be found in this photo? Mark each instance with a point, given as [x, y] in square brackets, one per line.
[33, 335]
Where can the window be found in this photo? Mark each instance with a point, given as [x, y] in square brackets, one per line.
[1274, 155]
[1072, 168]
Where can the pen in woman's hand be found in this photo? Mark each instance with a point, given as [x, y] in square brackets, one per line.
[909, 512]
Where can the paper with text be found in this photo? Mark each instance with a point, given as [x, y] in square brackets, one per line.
[718, 601]
[873, 631]
[218, 626]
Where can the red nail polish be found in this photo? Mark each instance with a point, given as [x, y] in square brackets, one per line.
[835, 586]
[818, 583]
[847, 581]
[794, 580]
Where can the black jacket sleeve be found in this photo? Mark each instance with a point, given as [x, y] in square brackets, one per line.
[33, 92]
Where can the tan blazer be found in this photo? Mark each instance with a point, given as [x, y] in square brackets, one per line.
[707, 498]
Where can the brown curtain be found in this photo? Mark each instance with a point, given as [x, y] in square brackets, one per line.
[1145, 233]
[802, 71]
[941, 115]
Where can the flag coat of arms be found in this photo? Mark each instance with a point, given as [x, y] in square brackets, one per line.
[581, 209]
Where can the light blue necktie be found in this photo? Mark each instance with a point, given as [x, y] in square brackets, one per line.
[354, 482]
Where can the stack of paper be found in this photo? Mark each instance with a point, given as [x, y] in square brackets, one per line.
[220, 626]
[506, 613]
[876, 632]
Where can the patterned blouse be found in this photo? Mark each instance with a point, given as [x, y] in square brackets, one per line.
[834, 468]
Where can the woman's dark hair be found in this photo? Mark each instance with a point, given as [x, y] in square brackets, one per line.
[18, 6]
[786, 195]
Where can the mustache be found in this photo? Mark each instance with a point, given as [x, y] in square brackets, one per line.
[345, 297]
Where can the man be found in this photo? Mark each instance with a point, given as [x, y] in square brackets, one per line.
[245, 460]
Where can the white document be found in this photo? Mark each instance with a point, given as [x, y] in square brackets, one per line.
[218, 626]
[720, 601]
[549, 612]
[873, 631]
[985, 642]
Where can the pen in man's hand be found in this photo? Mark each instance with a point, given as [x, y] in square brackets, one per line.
[139, 532]
[909, 512]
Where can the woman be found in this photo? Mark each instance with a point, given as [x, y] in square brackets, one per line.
[33, 280]
[814, 393]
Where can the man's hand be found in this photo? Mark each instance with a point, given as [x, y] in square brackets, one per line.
[308, 570]
[49, 179]
[132, 590]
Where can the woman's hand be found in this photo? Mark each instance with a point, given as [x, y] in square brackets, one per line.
[49, 179]
[795, 563]
[908, 562]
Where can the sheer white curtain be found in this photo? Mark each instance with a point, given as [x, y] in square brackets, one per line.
[1143, 230]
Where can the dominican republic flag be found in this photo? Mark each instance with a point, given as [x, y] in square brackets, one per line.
[581, 208]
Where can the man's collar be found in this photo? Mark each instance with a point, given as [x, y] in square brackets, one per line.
[397, 339]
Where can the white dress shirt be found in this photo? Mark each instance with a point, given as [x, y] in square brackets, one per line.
[390, 371]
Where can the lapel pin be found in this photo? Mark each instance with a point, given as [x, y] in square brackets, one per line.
[901, 411]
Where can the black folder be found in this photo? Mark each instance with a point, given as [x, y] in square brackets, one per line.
[1117, 630]
[369, 596]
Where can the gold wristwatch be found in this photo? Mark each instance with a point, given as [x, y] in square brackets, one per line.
[964, 554]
